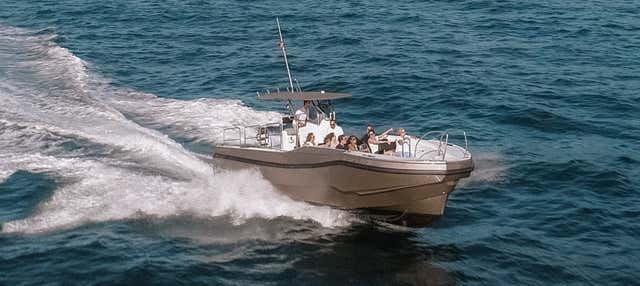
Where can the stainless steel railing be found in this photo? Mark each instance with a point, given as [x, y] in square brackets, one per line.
[443, 143]
[238, 138]
[258, 135]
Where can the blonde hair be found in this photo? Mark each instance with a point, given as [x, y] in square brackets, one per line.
[310, 137]
[329, 137]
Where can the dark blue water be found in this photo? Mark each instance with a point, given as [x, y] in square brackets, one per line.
[105, 104]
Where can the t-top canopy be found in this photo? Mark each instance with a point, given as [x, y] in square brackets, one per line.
[314, 95]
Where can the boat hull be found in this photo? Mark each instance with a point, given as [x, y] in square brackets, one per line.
[353, 181]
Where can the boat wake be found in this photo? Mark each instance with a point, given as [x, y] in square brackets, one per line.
[103, 146]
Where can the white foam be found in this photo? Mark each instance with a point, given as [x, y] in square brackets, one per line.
[199, 119]
[5, 173]
[120, 169]
[100, 191]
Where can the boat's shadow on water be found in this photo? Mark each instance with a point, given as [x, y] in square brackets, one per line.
[302, 252]
[374, 254]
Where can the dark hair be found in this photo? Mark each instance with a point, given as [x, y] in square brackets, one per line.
[369, 125]
[340, 138]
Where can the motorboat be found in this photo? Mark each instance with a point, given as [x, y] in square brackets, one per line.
[409, 185]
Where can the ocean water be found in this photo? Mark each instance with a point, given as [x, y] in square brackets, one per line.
[109, 111]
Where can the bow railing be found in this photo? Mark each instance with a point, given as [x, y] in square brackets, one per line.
[442, 137]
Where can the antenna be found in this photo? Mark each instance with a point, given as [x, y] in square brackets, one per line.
[284, 54]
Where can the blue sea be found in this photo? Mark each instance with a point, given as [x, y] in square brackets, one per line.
[109, 111]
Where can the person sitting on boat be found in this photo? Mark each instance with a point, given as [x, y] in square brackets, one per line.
[402, 137]
[365, 137]
[329, 141]
[311, 140]
[342, 143]
[352, 143]
[303, 113]
[403, 142]
[382, 137]
[384, 147]
[337, 130]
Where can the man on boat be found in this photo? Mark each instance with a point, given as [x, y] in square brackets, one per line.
[337, 130]
[365, 137]
[303, 112]
[306, 112]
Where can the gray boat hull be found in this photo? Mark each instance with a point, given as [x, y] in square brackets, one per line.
[353, 180]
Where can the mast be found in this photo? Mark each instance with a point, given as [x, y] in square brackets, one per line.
[284, 54]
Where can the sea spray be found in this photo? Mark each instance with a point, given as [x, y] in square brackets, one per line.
[60, 118]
